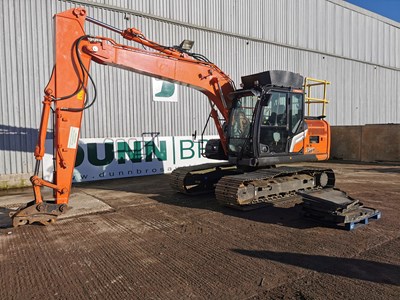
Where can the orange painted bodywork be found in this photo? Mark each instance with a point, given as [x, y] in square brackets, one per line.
[68, 81]
[66, 91]
[320, 129]
[316, 141]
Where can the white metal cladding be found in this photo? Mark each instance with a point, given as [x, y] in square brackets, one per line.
[330, 26]
[355, 50]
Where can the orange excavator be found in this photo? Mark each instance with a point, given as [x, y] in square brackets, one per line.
[259, 126]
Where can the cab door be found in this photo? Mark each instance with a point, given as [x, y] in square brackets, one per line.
[297, 128]
[281, 120]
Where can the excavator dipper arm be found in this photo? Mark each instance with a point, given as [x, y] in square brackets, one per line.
[66, 97]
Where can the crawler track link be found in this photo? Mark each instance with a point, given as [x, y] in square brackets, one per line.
[201, 179]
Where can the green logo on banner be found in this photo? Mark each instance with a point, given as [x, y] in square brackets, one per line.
[123, 149]
[167, 90]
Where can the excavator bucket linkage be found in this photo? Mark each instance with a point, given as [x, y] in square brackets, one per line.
[43, 213]
[249, 179]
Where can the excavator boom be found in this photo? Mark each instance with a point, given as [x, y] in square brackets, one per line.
[67, 96]
[265, 123]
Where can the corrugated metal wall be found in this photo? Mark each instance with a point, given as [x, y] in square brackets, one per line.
[357, 51]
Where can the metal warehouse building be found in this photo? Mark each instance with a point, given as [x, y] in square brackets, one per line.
[356, 50]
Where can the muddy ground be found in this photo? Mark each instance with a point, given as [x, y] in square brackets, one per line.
[156, 244]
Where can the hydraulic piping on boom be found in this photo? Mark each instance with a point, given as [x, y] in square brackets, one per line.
[263, 124]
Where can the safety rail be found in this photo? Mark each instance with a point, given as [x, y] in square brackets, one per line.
[310, 83]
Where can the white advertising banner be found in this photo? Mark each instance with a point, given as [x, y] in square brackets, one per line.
[110, 158]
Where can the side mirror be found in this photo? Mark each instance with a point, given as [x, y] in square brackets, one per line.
[194, 135]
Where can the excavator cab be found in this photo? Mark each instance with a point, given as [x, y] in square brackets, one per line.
[267, 119]
[265, 124]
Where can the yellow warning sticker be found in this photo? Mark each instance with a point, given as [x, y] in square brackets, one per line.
[80, 95]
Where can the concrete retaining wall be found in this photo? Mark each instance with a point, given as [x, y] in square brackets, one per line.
[378, 142]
